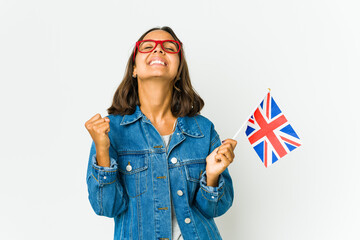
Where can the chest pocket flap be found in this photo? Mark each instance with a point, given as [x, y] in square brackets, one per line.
[194, 169]
[134, 173]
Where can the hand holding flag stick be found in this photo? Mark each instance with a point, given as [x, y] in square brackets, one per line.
[219, 160]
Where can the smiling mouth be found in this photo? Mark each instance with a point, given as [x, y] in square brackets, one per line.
[157, 62]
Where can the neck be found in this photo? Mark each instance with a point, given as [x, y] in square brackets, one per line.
[155, 98]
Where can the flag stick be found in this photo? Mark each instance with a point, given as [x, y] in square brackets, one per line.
[237, 133]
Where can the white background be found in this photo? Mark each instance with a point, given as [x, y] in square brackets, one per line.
[61, 62]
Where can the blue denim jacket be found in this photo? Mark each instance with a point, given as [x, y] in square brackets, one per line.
[135, 190]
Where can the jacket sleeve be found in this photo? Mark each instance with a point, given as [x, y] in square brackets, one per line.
[215, 201]
[106, 194]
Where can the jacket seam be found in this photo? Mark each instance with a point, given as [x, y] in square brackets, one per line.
[198, 125]
[213, 141]
[205, 225]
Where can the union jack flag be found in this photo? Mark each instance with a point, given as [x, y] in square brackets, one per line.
[269, 132]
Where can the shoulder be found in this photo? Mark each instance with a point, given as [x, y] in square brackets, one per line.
[115, 118]
[203, 121]
[114, 123]
[208, 129]
[205, 125]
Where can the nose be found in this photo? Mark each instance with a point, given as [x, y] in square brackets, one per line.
[158, 48]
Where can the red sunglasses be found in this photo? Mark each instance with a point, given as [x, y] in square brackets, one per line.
[148, 45]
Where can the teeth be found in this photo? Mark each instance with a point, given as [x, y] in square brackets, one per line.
[157, 61]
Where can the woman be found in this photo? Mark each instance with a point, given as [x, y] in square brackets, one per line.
[156, 165]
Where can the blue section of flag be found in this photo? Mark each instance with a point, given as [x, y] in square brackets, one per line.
[249, 130]
[289, 130]
[275, 110]
[260, 150]
[274, 158]
[290, 147]
[261, 104]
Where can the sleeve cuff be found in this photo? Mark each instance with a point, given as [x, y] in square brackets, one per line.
[104, 175]
[209, 192]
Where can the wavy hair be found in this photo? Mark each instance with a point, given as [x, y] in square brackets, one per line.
[184, 102]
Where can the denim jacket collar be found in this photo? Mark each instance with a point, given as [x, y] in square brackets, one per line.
[188, 125]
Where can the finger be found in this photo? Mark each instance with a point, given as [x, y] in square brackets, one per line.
[226, 145]
[107, 130]
[99, 129]
[103, 127]
[222, 158]
[95, 121]
[228, 152]
[93, 118]
[231, 141]
[99, 121]
[96, 116]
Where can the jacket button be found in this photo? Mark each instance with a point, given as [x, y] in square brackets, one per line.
[187, 220]
[128, 168]
[180, 193]
[174, 160]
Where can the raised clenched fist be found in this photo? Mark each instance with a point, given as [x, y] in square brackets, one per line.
[98, 128]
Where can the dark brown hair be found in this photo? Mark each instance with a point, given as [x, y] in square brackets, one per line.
[185, 101]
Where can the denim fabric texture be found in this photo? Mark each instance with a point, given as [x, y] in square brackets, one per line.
[135, 190]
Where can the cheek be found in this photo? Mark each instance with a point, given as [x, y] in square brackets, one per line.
[176, 64]
[140, 63]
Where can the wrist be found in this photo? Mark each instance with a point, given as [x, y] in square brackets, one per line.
[101, 149]
[102, 157]
[212, 180]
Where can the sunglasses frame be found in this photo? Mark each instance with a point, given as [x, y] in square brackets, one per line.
[156, 43]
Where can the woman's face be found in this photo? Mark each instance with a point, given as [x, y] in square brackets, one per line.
[146, 68]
